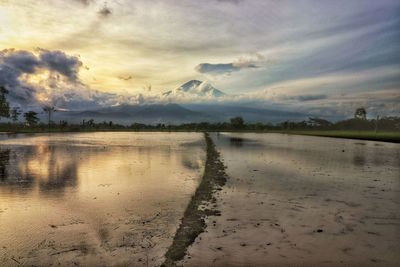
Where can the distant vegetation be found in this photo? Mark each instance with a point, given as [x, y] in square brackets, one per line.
[385, 128]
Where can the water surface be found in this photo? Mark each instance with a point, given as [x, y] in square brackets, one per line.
[304, 201]
[94, 199]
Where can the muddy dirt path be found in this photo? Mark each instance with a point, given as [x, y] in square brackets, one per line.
[201, 206]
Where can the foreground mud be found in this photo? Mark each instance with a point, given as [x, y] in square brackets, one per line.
[200, 206]
[303, 201]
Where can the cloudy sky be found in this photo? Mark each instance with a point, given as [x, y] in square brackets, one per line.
[317, 56]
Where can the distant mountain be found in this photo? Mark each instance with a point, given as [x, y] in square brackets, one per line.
[196, 88]
[184, 113]
[212, 111]
[176, 114]
[222, 112]
[127, 114]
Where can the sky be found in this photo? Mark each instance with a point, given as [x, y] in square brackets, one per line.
[323, 57]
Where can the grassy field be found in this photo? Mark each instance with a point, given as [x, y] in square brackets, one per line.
[362, 135]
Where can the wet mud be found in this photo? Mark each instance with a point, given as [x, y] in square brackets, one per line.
[200, 207]
[303, 201]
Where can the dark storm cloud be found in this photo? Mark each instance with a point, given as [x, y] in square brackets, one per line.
[20, 61]
[9, 76]
[60, 62]
[218, 69]
[15, 63]
[23, 61]
[62, 88]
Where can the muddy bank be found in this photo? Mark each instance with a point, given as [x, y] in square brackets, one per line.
[200, 206]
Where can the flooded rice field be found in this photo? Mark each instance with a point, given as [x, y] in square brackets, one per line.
[117, 199]
[94, 199]
[303, 201]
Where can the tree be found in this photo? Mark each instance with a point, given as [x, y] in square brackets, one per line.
[237, 123]
[14, 114]
[49, 110]
[4, 105]
[360, 113]
[31, 118]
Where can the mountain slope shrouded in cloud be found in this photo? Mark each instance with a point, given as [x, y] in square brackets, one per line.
[199, 103]
[149, 114]
[176, 114]
[223, 112]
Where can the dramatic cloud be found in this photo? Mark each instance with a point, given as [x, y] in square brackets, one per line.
[20, 93]
[27, 62]
[58, 61]
[245, 62]
[48, 77]
[22, 61]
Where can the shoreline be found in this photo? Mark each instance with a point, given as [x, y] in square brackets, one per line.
[193, 224]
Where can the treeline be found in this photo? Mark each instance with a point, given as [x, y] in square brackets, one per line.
[384, 124]
[237, 123]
